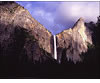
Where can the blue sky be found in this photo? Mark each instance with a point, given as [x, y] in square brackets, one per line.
[57, 16]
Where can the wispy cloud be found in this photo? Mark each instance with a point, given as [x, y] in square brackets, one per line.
[57, 16]
[74, 10]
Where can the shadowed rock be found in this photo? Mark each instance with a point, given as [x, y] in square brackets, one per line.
[18, 28]
[21, 36]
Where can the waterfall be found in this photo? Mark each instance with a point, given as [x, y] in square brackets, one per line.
[55, 50]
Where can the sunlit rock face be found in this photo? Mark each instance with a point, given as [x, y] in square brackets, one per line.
[24, 39]
[73, 42]
[21, 36]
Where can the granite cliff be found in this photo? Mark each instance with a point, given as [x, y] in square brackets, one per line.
[25, 39]
[25, 42]
[73, 42]
[21, 36]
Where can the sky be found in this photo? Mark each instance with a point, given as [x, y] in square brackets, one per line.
[58, 16]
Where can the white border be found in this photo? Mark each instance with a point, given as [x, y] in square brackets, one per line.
[50, 81]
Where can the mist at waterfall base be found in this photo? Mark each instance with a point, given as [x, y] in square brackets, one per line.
[57, 16]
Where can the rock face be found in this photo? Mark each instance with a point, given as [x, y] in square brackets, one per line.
[73, 42]
[21, 36]
[23, 39]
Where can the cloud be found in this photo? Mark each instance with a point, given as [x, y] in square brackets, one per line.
[74, 10]
[57, 16]
[28, 5]
[44, 17]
